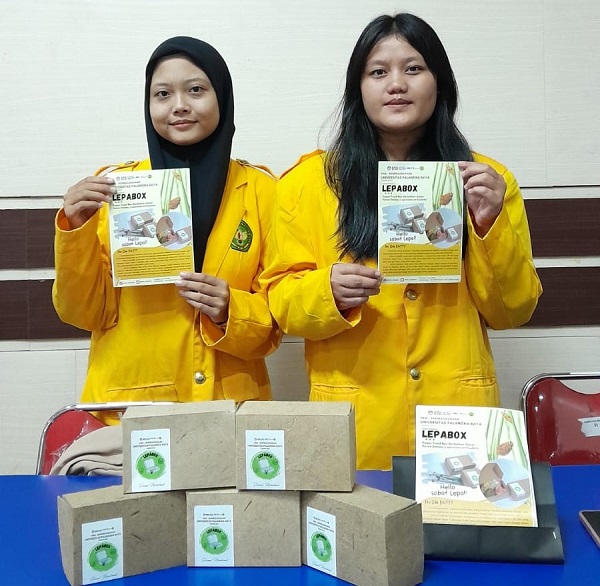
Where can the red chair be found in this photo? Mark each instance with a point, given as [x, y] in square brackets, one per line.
[69, 424]
[563, 424]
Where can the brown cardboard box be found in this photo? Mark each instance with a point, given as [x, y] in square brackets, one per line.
[153, 531]
[453, 233]
[377, 537]
[458, 463]
[295, 445]
[470, 477]
[263, 525]
[149, 230]
[192, 446]
[407, 215]
[136, 221]
[418, 225]
[184, 235]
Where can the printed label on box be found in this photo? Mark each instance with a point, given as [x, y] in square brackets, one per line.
[321, 541]
[102, 550]
[150, 460]
[265, 459]
[213, 535]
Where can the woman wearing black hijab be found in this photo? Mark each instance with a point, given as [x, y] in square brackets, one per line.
[206, 336]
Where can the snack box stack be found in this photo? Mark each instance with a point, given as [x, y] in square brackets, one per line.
[359, 534]
[268, 484]
[141, 526]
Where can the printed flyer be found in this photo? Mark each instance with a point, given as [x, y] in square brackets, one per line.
[472, 467]
[420, 232]
[150, 222]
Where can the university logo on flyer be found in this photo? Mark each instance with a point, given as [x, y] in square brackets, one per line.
[242, 239]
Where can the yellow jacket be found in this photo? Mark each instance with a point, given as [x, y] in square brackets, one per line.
[147, 342]
[409, 345]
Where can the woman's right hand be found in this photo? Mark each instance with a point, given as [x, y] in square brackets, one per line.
[85, 198]
[353, 284]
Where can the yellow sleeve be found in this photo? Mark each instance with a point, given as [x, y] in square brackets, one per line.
[82, 293]
[298, 282]
[251, 331]
[499, 267]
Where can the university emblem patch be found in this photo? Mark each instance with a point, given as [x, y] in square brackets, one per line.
[242, 239]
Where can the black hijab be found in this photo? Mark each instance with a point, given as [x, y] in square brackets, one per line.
[208, 160]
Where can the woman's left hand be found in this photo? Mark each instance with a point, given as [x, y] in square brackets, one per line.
[206, 293]
[484, 192]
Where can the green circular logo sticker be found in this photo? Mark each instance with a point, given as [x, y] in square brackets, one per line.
[150, 465]
[103, 557]
[265, 465]
[242, 239]
[321, 547]
[214, 540]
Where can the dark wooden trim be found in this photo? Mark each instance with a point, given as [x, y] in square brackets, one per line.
[570, 298]
[559, 227]
[14, 303]
[27, 239]
[27, 313]
[564, 227]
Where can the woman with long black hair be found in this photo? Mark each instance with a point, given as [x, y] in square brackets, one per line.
[385, 347]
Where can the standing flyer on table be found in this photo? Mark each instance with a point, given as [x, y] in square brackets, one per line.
[472, 466]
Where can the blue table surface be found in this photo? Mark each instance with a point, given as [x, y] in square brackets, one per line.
[31, 554]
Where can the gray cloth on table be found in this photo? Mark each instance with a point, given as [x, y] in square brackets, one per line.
[98, 453]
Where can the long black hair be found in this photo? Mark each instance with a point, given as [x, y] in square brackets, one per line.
[351, 163]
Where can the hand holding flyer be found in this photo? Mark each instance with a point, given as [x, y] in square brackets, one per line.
[150, 224]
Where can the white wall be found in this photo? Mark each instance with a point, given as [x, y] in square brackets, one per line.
[72, 78]
[71, 73]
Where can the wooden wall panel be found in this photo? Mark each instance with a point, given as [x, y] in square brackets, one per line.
[14, 308]
[28, 238]
[27, 313]
[564, 227]
[13, 227]
[571, 297]
[40, 239]
[559, 228]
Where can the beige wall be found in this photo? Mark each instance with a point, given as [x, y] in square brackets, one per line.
[72, 78]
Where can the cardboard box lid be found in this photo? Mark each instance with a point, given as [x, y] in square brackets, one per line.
[317, 408]
[190, 494]
[373, 500]
[101, 496]
[195, 408]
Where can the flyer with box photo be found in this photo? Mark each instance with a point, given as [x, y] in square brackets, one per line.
[472, 467]
[150, 223]
[420, 228]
